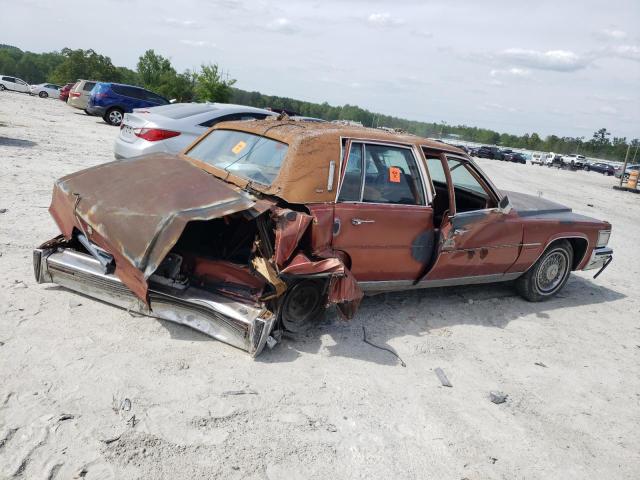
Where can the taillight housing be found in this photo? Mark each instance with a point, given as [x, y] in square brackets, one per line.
[154, 134]
[75, 94]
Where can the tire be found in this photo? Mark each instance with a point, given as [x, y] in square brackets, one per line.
[303, 306]
[114, 116]
[587, 168]
[548, 275]
[43, 94]
[2, 88]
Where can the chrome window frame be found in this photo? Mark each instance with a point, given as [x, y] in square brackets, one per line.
[427, 191]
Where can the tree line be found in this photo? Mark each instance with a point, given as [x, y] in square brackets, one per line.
[156, 73]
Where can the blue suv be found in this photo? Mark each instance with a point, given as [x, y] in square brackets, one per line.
[112, 100]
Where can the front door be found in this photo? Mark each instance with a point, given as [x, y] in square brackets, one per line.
[476, 237]
[382, 220]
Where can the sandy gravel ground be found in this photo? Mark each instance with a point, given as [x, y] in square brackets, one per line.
[88, 391]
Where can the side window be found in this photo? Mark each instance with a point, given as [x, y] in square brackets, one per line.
[392, 176]
[88, 86]
[463, 179]
[9, 79]
[352, 181]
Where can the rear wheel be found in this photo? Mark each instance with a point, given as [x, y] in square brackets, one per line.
[43, 94]
[114, 116]
[303, 305]
[2, 87]
[548, 275]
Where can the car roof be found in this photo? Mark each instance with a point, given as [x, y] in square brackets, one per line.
[312, 146]
[178, 111]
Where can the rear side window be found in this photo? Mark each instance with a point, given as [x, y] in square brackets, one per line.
[391, 175]
[88, 86]
[129, 91]
[232, 117]
[9, 79]
[153, 97]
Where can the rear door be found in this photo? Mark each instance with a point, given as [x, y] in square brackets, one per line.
[381, 219]
[21, 85]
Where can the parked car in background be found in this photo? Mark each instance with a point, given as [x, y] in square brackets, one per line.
[575, 161]
[65, 90]
[79, 94]
[601, 167]
[44, 90]
[13, 83]
[489, 152]
[112, 100]
[537, 158]
[516, 157]
[259, 226]
[627, 172]
[504, 151]
[171, 128]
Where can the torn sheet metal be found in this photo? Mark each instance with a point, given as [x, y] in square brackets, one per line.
[137, 209]
[290, 226]
[302, 265]
[346, 294]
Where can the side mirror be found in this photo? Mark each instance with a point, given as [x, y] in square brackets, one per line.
[504, 206]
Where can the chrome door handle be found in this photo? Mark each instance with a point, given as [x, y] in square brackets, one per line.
[360, 221]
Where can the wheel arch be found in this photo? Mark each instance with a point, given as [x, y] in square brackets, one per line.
[579, 244]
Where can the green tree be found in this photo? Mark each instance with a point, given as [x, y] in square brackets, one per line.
[85, 64]
[210, 86]
[154, 70]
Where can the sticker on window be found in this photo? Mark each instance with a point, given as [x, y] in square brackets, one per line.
[239, 147]
[394, 174]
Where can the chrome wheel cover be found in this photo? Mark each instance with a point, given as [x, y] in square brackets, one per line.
[552, 271]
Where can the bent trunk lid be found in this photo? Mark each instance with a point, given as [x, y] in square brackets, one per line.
[137, 209]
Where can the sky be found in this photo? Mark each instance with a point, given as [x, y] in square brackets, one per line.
[561, 67]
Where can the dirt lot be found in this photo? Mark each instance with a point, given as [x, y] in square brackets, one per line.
[87, 390]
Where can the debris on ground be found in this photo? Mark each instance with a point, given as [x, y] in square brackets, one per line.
[443, 377]
[3, 210]
[540, 364]
[365, 340]
[498, 397]
[229, 393]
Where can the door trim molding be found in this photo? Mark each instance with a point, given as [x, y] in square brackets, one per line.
[375, 287]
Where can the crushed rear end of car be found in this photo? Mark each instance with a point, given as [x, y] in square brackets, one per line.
[159, 236]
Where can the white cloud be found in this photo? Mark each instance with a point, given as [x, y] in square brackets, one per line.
[556, 60]
[198, 43]
[630, 52]
[282, 25]
[383, 20]
[179, 23]
[612, 33]
[498, 107]
[511, 72]
[608, 110]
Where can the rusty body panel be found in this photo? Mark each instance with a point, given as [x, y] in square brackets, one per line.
[136, 210]
[196, 244]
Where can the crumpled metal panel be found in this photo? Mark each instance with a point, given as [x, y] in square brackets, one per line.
[290, 226]
[137, 209]
[302, 265]
[345, 292]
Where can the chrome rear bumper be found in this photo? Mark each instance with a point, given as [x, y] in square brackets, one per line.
[238, 324]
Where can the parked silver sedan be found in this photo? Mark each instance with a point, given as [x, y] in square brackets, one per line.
[171, 128]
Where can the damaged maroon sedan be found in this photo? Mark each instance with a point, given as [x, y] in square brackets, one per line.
[259, 226]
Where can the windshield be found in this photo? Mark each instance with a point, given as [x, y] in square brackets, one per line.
[244, 154]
